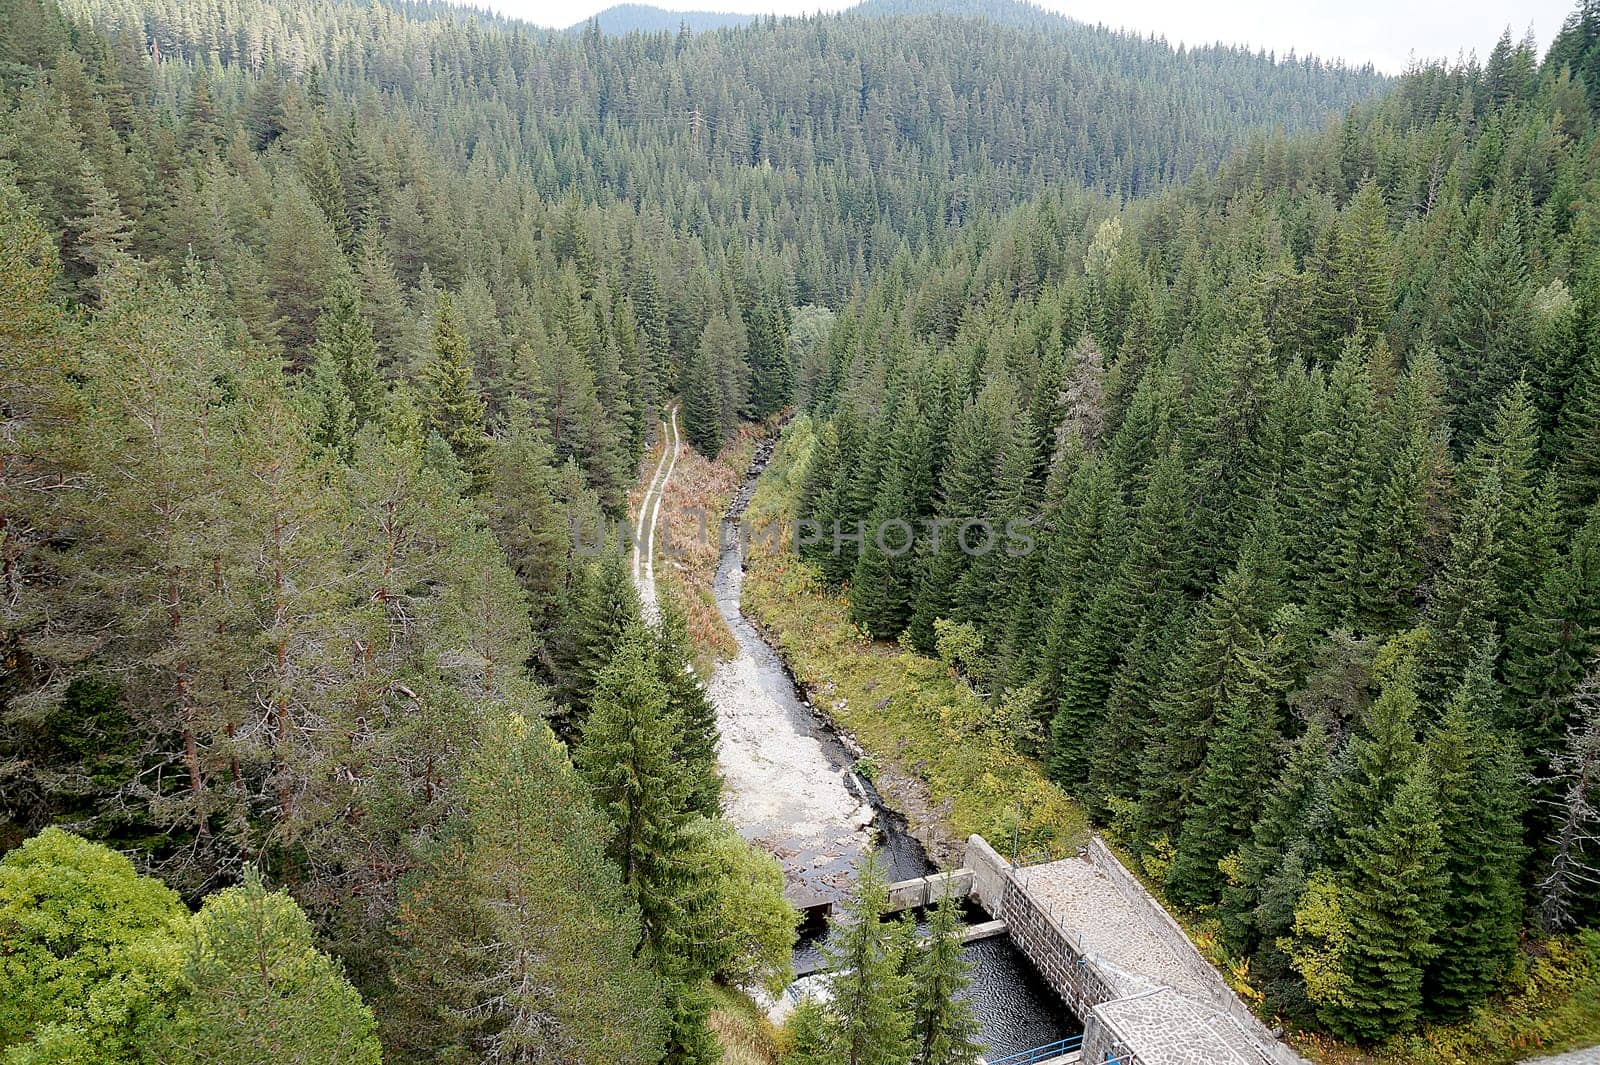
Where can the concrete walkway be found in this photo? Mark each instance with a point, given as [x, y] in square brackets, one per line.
[1079, 894]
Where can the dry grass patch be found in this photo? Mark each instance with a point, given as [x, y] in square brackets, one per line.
[688, 537]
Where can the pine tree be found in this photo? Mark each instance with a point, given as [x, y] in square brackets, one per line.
[517, 936]
[454, 408]
[261, 992]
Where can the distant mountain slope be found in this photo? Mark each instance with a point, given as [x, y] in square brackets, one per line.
[904, 124]
[1005, 12]
[643, 18]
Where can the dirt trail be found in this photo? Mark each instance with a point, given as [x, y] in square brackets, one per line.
[644, 549]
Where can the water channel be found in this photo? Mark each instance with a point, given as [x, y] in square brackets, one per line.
[792, 789]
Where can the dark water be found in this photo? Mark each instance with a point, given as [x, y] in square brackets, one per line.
[1015, 1010]
[1014, 1007]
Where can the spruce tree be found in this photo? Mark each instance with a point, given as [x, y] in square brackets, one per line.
[871, 991]
[693, 709]
[1551, 644]
[1579, 431]
[627, 752]
[1486, 328]
[945, 1028]
[1388, 866]
[604, 608]
[450, 396]
[1227, 796]
[1477, 779]
[1329, 505]
[1461, 616]
[345, 382]
[1258, 903]
[702, 404]
[884, 582]
[1226, 659]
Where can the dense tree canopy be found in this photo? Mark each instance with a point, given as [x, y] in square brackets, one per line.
[1221, 441]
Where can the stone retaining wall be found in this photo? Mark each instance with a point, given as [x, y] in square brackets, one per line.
[1218, 994]
[1055, 952]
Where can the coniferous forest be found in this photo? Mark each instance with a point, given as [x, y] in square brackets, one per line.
[332, 336]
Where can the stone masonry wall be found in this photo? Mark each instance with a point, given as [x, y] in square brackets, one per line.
[1054, 951]
[1218, 994]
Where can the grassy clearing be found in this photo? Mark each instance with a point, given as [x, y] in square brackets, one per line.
[746, 1036]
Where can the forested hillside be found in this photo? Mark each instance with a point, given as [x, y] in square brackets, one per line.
[1291, 476]
[331, 335]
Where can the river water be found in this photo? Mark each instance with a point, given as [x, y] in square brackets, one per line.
[790, 788]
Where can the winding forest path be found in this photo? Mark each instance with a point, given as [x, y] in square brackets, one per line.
[644, 546]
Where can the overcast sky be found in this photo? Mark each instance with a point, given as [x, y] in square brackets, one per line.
[1386, 32]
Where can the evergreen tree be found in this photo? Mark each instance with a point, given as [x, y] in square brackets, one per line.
[603, 610]
[1461, 616]
[885, 574]
[260, 991]
[1579, 432]
[871, 991]
[517, 936]
[1477, 780]
[1486, 330]
[1551, 644]
[702, 404]
[345, 383]
[450, 396]
[627, 753]
[1389, 868]
[1227, 796]
[945, 1029]
[693, 709]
